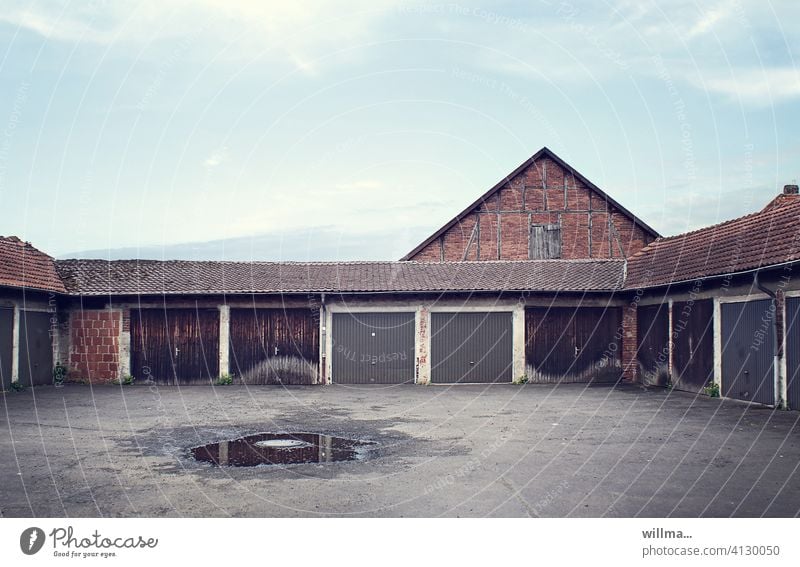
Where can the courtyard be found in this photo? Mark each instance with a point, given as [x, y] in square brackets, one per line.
[567, 450]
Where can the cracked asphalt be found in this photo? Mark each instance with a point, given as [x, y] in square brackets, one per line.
[498, 450]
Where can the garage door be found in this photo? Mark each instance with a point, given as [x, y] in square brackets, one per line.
[35, 349]
[747, 352]
[6, 346]
[573, 344]
[175, 346]
[652, 347]
[793, 352]
[373, 348]
[693, 328]
[471, 347]
[274, 346]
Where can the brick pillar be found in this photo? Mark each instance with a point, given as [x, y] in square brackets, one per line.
[630, 365]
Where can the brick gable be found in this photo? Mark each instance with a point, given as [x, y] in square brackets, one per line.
[543, 191]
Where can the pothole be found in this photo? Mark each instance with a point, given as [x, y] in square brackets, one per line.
[281, 449]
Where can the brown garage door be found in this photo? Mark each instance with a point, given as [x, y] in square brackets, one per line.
[175, 346]
[35, 349]
[572, 344]
[274, 346]
[6, 346]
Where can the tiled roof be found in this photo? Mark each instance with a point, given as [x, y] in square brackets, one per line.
[23, 266]
[120, 277]
[766, 238]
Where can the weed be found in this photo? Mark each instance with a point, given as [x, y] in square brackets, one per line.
[712, 390]
[225, 380]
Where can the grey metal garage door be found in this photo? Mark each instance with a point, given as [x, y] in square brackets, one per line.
[373, 348]
[471, 347]
[793, 352]
[6, 346]
[747, 352]
[35, 349]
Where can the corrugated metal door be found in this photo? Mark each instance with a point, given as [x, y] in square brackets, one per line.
[747, 352]
[175, 346]
[471, 347]
[652, 324]
[35, 349]
[373, 348]
[793, 352]
[693, 344]
[6, 346]
[572, 344]
[274, 346]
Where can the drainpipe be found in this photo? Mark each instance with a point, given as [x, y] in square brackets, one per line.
[323, 341]
[775, 347]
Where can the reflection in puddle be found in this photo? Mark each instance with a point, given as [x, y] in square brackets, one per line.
[281, 449]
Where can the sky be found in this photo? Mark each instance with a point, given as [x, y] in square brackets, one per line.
[229, 129]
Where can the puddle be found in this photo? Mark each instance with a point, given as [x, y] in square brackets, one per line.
[281, 449]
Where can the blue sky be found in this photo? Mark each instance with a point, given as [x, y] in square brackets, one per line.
[347, 130]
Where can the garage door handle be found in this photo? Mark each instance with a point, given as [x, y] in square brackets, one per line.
[472, 363]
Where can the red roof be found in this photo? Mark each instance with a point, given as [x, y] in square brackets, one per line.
[767, 238]
[23, 266]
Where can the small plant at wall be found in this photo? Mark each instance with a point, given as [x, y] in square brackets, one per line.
[59, 374]
[712, 390]
[125, 380]
[522, 380]
[17, 386]
[225, 380]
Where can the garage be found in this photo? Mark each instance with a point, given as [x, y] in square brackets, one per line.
[274, 346]
[793, 352]
[652, 347]
[693, 344]
[373, 348]
[35, 349]
[747, 351]
[471, 347]
[6, 346]
[175, 346]
[573, 344]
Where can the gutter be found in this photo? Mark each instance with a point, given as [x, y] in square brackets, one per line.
[779, 378]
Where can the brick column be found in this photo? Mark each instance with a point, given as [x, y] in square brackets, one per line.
[630, 365]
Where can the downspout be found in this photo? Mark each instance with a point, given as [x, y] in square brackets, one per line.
[323, 342]
[781, 403]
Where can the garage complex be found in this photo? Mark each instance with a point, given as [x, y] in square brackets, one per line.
[545, 279]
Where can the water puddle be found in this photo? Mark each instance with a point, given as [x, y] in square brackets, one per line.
[281, 449]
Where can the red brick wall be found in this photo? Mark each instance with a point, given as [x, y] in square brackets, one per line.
[94, 345]
[543, 193]
[630, 365]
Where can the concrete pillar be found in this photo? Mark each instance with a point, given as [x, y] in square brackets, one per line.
[15, 346]
[518, 342]
[718, 343]
[422, 347]
[125, 343]
[323, 346]
[328, 347]
[224, 339]
[630, 363]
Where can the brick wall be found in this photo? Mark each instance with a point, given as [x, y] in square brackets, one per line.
[94, 345]
[543, 193]
[630, 364]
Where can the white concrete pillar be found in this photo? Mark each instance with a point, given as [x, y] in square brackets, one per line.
[518, 342]
[224, 339]
[329, 346]
[323, 345]
[124, 341]
[15, 346]
[422, 344]
[718, 343]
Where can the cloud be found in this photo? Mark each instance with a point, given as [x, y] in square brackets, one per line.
[216, 158]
